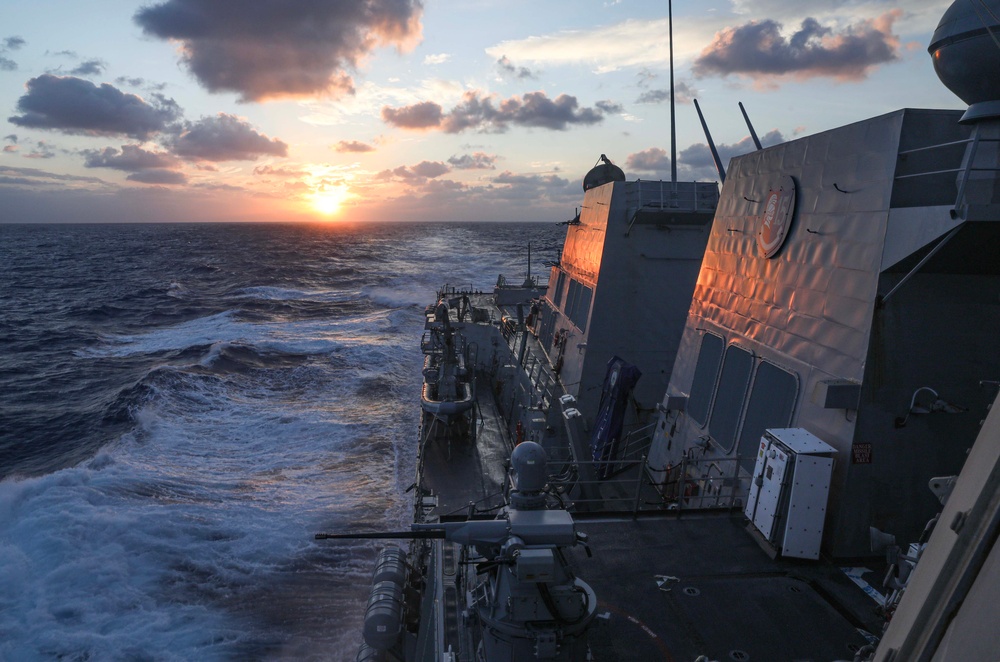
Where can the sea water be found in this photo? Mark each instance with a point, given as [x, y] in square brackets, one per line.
[182, 407]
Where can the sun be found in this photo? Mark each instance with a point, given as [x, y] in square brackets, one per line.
[329, 199]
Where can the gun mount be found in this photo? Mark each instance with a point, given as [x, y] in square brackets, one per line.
[524, 602]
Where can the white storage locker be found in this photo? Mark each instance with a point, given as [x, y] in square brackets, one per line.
[789, 490]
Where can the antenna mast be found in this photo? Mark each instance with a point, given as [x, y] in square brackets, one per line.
[673, 124]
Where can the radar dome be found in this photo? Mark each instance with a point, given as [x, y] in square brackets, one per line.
[966, 57]
[605, 171]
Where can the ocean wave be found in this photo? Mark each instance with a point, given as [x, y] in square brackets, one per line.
[270, 293]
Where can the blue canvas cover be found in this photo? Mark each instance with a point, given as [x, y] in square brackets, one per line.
[619, 381]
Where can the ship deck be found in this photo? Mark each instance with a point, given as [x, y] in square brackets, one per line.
[726, 598]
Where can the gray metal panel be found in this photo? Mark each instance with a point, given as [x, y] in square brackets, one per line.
[912, 228]
[810, 490]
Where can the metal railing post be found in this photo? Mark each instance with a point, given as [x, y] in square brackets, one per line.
[735, 483]
[680, 486]
[638, 486]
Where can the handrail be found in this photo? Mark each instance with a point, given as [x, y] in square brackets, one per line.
[691, 485]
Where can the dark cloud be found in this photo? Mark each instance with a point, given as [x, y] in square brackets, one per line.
[42, 150]
[353, 146]
[474, 161]
[700, 156]
[684, 94]
[418, 173]
[280, 48]
[158, 176]
[13, 43]
[77, 106]
[131, 158]
[89, 68]
[225, 138]
[135, 81]
[71, 54]
[507, 68]
[653, 159]
[534, 109]
[609, 107]
[11, 138]
[6, 64]
[424, 115]
[533, 181]
[131, 82]
[758, 48]
[43, 177]
[430, 169]
[520, 188]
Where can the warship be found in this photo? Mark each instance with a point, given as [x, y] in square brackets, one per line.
[703, 436]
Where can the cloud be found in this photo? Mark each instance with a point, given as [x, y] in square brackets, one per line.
[758, 49]
[515, 187]
[13, 43]
[11, 138]
[507, 68]
[282, 171]
[9, 149]
[653, 159]
[42, 177]
[534, 109]
[158, 176]
[683, 91]
[131, 158]
[439, 58]
[225, 138]
[279, 48]
[700, 156]
[353, 146]
[418, 173]
[6, 64]
[43, 150]
[474, 161]
[76, 106]
[609, 107]
[89, 68]
[424, 115]
[132, 82]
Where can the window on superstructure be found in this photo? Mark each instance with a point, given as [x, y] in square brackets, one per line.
[578, 303]
[571, 295]
[771, 404]
[730, 395]
[560, 286]
[709, 358]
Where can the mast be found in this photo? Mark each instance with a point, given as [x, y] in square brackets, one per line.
[673, 124]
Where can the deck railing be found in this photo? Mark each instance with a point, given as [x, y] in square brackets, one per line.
[694, 484]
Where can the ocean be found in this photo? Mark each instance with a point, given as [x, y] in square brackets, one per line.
[182, 407]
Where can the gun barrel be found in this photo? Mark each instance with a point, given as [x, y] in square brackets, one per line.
[405, 535]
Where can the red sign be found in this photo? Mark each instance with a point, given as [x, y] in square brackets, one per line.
[779, 206]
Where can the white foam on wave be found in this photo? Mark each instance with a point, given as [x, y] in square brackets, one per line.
[182, 540]
[300, 337]
[271, 293]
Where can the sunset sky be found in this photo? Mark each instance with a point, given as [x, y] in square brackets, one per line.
[394, 110]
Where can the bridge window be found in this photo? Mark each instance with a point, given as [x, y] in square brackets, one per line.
[709, 358]
[729, 397]
[772, 402]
